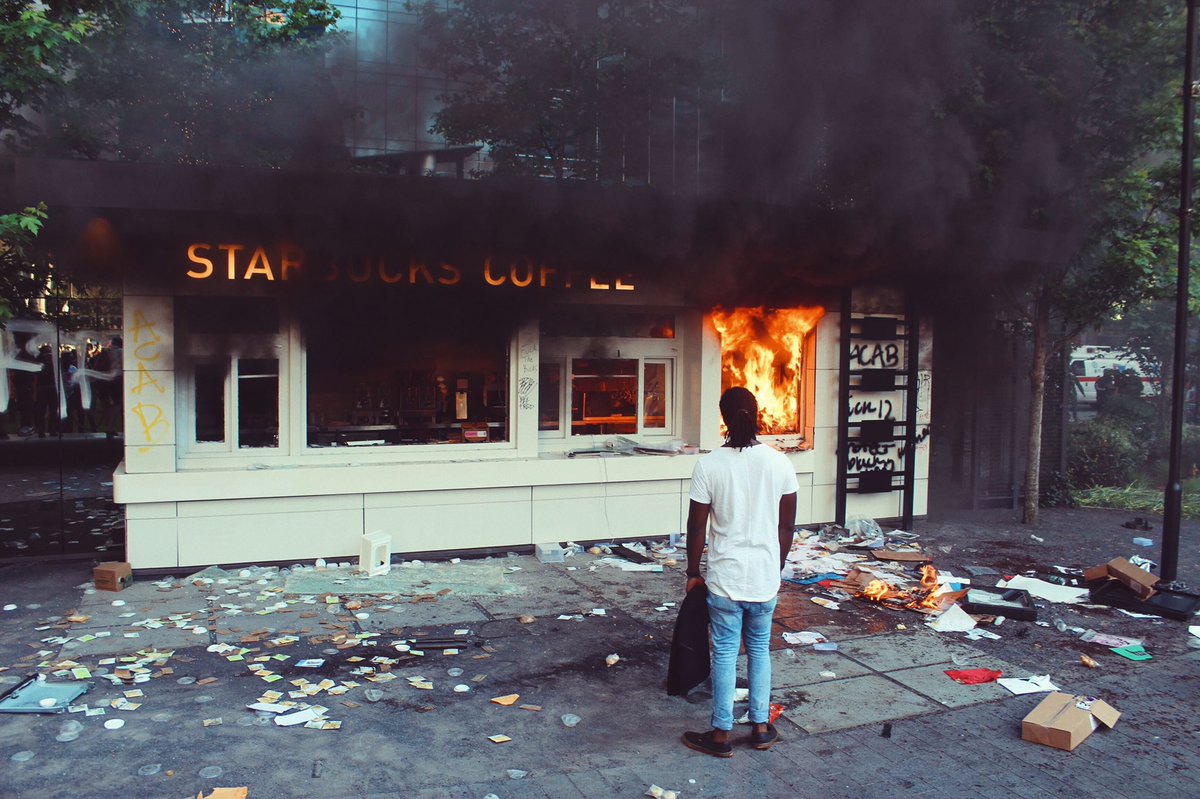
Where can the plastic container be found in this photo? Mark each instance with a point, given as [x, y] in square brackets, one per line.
[1143, 542]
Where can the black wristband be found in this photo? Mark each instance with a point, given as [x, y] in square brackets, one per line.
[692, 573]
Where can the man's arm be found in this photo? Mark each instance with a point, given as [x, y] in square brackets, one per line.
[697, 531]
[787, 526]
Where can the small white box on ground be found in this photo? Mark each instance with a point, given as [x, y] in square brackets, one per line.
[549, 553]
[376, 555]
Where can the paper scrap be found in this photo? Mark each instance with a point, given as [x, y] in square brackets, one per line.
[226, 793]
[825, 603]
[953, 620]
[499, 739]
[1108, 639]
[1028, 685]
[1048, 591]
[1136, 653]
[805, 637]
[506, 700]
[299, 717]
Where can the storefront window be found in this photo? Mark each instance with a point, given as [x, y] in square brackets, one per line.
[604, 396]
[612, 368]
[233, 349]
[379, 379]
[550, 396]
[258, 402]
[656, 395]
[210, 402]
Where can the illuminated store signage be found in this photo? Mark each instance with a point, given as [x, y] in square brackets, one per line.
[240, 262]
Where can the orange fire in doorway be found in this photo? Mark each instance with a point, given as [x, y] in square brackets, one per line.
[763, 350]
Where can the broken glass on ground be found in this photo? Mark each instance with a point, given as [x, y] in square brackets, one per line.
[36, 695]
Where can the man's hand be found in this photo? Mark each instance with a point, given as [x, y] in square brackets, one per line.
[692, 583]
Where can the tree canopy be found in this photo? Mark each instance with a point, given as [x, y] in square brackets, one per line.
[558, 88]
[187, 81]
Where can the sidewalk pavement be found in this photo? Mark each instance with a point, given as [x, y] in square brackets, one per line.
[877, 718]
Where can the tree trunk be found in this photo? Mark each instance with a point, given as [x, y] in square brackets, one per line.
[1037, 392]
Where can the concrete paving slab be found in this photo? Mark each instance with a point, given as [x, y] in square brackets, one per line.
[852, 702]
[931, 681]
[907, 649]
[447, 610]
[796, 667]
[147, 594]
[118, 644]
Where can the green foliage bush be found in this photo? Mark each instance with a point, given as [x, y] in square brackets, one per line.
[1056, 492]
[1103, 454]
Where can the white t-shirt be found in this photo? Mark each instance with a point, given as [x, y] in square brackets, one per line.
[744, 488]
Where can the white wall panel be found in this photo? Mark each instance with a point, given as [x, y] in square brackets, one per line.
[152, 543]
[422, 528]
[266, 537]
[152, 510]
[274, 506]
[410, 499]
[150, 460]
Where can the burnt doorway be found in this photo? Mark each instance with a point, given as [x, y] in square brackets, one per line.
[61, 428]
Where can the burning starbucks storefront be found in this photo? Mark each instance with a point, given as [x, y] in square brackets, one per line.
[453, 371]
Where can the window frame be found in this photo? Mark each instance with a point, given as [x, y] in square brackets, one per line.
[565, 350]
[226, 350]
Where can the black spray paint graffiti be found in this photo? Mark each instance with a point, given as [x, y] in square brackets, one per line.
[881, 455]
[875, 356]
[41, 354]
[871, 409]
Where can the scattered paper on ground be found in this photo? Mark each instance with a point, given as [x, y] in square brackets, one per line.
[462, 579]
[1028, 685]
[953, 620]
[1047, 591]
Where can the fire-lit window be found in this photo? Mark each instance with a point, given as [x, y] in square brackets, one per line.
[233, 361]
[550, 378]
[769, 351]
[656, 395]
[607, 372]
[380, 376]
[604, 396]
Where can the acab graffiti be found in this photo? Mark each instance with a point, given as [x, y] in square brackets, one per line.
[145, 390]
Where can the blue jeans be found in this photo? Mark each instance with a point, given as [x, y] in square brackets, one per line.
[733, 621]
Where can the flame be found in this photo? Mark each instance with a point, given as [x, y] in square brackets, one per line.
[877, 590]
[920, 598]
[762, 349]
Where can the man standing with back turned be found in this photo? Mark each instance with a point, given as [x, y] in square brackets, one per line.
[748, 490]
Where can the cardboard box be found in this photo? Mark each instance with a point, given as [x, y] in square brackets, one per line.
[1135, 578]
[1063, 721]
[112, 576]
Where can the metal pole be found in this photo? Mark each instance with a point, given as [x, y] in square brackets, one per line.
[1173, 499]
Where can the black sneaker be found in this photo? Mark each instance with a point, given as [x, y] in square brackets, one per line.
[703, 742]
[765, 740]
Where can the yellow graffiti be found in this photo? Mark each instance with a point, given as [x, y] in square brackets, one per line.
[150, 417]
[145, 379]
[140, 323]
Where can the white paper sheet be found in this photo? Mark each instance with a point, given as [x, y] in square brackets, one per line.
[1028, 685]
[300, 717]
[953, 620]
[1047, 591]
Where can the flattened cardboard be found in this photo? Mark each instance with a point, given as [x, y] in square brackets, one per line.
[1063, 721]
[905, 556]
[112, 576]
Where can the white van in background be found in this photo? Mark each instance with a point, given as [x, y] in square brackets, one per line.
[1089, 361]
